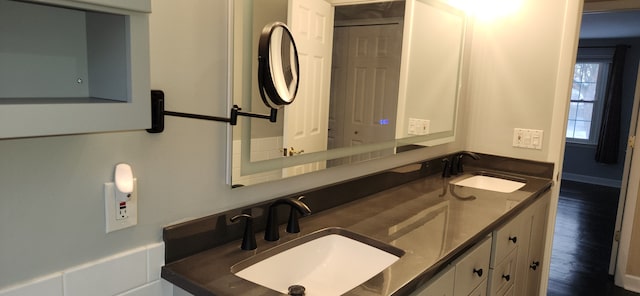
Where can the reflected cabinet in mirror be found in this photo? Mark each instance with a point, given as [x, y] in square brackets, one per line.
[374, 78]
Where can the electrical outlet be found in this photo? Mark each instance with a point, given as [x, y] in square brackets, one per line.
[121, 210]
[120, 214]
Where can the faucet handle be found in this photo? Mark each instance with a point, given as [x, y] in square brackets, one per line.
[293, 226]
[249, 237]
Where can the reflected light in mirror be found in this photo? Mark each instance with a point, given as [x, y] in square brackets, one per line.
[487, 10]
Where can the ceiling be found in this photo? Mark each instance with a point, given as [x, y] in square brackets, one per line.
[618, 24]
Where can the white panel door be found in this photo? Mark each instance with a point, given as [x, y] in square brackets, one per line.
[306, 120]
[373, 69]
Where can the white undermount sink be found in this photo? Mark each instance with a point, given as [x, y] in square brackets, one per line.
[490, 183]
[331, 261]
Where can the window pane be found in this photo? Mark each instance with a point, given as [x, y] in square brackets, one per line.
[584, 112]
[590, 72]
[570, 128]
[582, 130]
[575, 92]
[588, 91]
[577, 74]
[573, 110]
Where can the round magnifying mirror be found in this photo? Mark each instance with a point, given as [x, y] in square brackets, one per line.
[278, 70]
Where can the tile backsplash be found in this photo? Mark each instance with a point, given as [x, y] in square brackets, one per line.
[134, 272]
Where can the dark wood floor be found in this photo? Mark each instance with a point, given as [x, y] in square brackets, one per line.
[582, 241]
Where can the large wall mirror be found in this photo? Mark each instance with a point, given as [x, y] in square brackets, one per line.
[376, 78]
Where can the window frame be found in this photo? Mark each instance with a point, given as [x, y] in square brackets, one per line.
[598, 103]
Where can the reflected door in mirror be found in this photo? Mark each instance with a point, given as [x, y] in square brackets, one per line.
[365, 77]
[306, 121]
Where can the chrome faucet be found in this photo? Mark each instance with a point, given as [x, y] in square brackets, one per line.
[271, 233]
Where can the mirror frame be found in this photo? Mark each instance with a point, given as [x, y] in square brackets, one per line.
[275, 91]
[248, 167]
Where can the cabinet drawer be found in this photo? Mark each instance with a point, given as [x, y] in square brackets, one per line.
[506, 239]
[510, 292]
[502, 276]
[472, 268]
[480, 290]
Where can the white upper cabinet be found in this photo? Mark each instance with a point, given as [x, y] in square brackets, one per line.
[69, 67]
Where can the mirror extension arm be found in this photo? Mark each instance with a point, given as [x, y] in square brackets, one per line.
[158, 113]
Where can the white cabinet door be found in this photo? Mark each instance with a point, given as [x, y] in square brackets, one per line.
[529, 266]
[472, 269]
[536, 249]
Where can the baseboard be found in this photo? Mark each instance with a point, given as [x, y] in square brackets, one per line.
[592, 180]
[631, 283]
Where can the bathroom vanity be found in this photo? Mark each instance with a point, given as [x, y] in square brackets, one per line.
[457, 240]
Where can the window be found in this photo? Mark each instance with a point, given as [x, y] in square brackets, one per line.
[587, 96]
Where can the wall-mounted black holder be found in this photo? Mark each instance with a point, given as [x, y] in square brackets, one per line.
[158, 113]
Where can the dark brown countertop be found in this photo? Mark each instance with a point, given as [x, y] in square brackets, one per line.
[431, 227]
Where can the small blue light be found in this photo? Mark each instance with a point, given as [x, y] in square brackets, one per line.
[384, 121]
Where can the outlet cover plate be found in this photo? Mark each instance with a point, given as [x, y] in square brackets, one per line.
[114, 217]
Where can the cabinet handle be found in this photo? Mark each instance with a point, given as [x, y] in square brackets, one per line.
[506, 277]
[514, 239]
[478, 271]
[534, 265]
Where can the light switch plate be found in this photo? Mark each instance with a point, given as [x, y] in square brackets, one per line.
[418, 126]
[413, 127]
[116, 216]
[517, 137]
[527, 138]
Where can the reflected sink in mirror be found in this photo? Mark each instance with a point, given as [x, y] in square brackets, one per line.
[491, 183]
[331, 261]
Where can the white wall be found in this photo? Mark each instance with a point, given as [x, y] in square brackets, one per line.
[513, 78]
[51, 199]
[520, 77]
